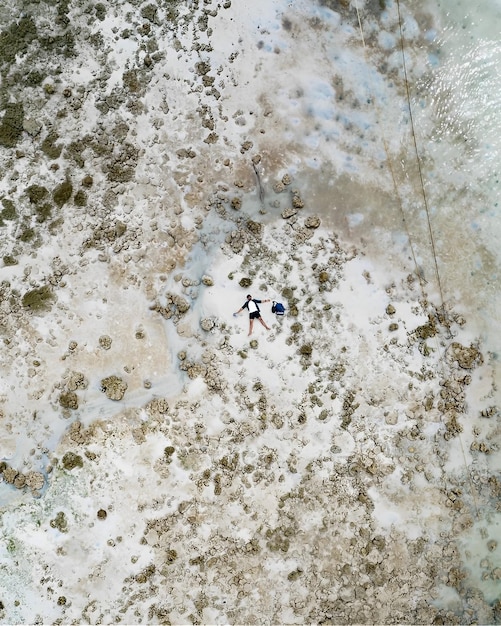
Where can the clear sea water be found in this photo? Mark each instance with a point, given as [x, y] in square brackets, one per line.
[456, 108]
[453, 59]
[466, 145]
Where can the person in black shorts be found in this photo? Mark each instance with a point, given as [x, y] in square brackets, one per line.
[251, 305]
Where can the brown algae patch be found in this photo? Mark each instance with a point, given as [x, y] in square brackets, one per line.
[114, 387]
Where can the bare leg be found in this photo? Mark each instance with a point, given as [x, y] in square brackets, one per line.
[263, 323]
[251, 324]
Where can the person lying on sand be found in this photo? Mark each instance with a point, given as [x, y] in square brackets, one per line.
[251, 305]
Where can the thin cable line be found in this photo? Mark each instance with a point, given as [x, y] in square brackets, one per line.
[360, 25]
[417, 271]
[421, 178]
[395, 185]
[423, 291]
[432, 239]
[421, 279]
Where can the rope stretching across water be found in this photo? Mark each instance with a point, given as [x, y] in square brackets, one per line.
[425, 201]
[417, 270]
[430, 231]
[421, 179]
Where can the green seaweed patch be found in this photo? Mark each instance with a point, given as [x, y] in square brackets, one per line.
[80, 198]
[171, 13]
[34, 78]
[119, 173]
[27, 234]
[11, 546]
[168, 452]
[149, 12]
[36, 193]
[131, 81]
[8, 212]
[294, 575]
[62, 193]
[62, 44]
[11, 127]
[71, 460]
[50, 147]
[39, 299]
[100, 9]
[55, 226]
[287, 293]
[44, 212]
[97, 40]
[17, 38]
[76, 149]
[8, 259]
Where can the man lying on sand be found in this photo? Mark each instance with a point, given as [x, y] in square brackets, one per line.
[254, 313]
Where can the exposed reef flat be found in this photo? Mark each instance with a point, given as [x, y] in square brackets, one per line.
[159, 162]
